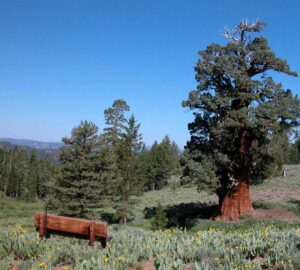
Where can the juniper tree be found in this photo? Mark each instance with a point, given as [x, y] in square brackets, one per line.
[237, 108]
[78, 180]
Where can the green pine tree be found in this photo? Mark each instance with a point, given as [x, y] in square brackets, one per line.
[111, 137]
[116, 121]
[128, 150]
[295, 152]
[78, 181]
[159, 163]
[33, 176]
[45, 179]
[160, 219]
[4, 157]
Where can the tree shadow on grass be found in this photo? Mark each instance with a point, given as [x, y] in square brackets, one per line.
[295, 206]
[113, 218]
[110, 218]
[295, 202]
[185, 215]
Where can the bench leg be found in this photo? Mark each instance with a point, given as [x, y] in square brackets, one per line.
[42, 226]
[103, 242]
[92, 233]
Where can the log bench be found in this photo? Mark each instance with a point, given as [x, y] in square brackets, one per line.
[47, 224]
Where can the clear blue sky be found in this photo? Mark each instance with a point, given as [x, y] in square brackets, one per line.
[63, 61]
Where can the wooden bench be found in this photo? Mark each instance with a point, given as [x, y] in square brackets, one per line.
[48, 224]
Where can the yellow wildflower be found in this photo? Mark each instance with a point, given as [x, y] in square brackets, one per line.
[42, 264]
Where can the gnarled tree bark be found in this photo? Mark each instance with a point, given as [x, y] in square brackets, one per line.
[237, 203]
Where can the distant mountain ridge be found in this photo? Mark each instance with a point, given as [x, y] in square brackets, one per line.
[52, 153]
[32, 143]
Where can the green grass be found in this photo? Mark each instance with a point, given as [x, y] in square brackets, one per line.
[292, 178]
[183, 203]
[14, 211]
[185, 207]
[277, 192]
[280, 192]
[261, 246]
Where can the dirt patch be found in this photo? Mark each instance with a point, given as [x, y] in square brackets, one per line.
[14, 266]
[275, 213]
[276, 194]
[62, 267]
[148, 265]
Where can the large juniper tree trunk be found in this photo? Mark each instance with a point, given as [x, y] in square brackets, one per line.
[237, 203]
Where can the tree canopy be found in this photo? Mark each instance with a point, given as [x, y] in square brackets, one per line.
[238, 108]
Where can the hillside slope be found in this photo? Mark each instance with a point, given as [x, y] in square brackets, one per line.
[183, 204]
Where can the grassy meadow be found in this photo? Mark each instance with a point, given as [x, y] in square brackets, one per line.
[192, 241]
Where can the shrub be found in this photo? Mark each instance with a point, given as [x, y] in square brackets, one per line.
[160, 220]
